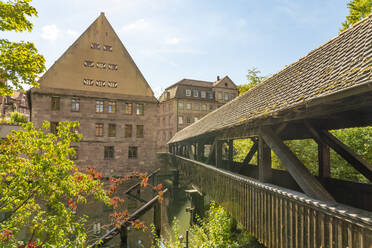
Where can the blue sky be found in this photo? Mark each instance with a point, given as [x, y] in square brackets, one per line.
[199, 39]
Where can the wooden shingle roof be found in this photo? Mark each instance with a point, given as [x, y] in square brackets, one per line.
[342, 63]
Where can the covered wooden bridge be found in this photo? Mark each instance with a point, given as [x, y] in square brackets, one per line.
[330, 88]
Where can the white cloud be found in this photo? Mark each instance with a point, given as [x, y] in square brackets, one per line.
[140, 24]
[173, 41]
[50, 32]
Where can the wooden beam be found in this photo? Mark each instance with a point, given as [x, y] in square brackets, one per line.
[308, 183]
[231, 152]
[251, 153]
[219, 153]
[324, 160]
[264, 162]
[211, 155]
[349, 155]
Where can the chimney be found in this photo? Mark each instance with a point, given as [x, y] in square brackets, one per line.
[218, 78]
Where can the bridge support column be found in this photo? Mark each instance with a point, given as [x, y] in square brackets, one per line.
[124, 236]
[264, 162]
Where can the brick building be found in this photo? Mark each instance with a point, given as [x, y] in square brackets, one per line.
[16, 102]
[97, 83]
[187, 101]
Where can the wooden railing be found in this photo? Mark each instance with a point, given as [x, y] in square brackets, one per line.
[280, 217]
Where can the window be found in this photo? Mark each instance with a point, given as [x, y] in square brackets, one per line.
[128, 131]
[180, 119]
[202, 94]
[188, 119]
[168, 94]
[169, 120]
[196, 106]
[196, 119]
[75, 154]
[113, 67]
[180, 105]
[88, 82]
[99, 129]
[99, 106]
[210, 95]
[112, 130]
[128, 108]
[169, 106]
[88, 63]
[75, 104]
[232, 96]
[53, 127]
[107, 48]
[132, 152]
[55, 102]
[94, 46]
[196, 93]
[204, 107]
[226, 96]
[170, 134]
[188, 106]
[211, 107]
[188, 92]
[109, 152]
[219, 95]
[139, 131]
[111, 107]
[139, 109]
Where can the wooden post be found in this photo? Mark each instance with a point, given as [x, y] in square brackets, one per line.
[200, 151]
[324, 160]
[308, 183]
[251, 153]
[231, 153]
[157, 218]
[264, 162]
[124, 236]
[212, 156]
[219, 153]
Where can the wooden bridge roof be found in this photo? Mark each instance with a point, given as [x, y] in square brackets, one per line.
[338, 69]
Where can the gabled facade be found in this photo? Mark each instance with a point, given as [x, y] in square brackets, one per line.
[97, 83]
[187, 101]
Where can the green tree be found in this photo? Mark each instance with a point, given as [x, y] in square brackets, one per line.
[253, 78]
[358, 9]
[16, 117]
[20, 62]
[40, 188]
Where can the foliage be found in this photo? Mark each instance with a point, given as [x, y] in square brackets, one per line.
[253, 79]
[40, 187]
[217, 230]
[358, 9]
[16, 117]
[20, 62]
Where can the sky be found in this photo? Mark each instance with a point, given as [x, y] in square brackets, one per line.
[199, 39]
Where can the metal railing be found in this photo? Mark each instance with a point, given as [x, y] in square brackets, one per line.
[280, 217]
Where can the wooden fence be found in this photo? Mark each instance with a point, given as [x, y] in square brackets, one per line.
[280, 217]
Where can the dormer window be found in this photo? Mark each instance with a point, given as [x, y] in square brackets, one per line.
[188, 92]
[88, 63]
[107, 48]
[100, 83]
[112, 84]
[88, 82]
[95, 46]
[113, 67]
[101, 65]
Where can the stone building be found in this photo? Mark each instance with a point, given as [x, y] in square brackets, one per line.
[187, 101]
[16, 102]
[97, 83]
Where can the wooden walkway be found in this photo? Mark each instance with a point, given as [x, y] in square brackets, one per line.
[279, 217]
